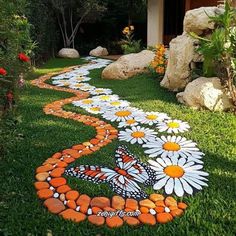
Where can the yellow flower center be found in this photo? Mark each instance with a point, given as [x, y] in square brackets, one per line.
[151, 117]
[87, 101]
[78, 85]
[138, 134]
[130, 122]
[170, 146]
[104, 98]
[123, 113]
[174, 171]
[66, 84]
[99, 90]
[115, 103]
[173, 125]
[95, 109]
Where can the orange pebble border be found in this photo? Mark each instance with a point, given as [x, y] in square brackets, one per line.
[60, 199]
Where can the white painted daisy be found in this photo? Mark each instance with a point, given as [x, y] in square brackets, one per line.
[99, 91]
[137, 134]
[120, 114]
[174, 146]
[79, 79]
[151, 118]
[84, 103]
[87, 87]
[130, 123]
[173, 126]
[95, 109]
[106, 98]
[178, 175]
[117, 104]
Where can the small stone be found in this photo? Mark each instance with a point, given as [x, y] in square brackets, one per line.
[177, 212]
[170, 201]
[72, 195]
[160, 204]
[96, 220]
[156, 197]
[70, 214]
[182, 205]
[114, 222]
[42, 176]
[147, 219]
[131, 204]
[44, 168]
[144, 209]
[54, 205]
[63, 189]
[118, 202]
[96, 210]
[41, 185]
[71, 204]
[152, 211]
[131, 220]
[57, 172]
[52, 188]
[164, 218]
[45, 193]
[167, 209]
[159, 209]
[83, 201]
[77, 208]
[56, 195]
[56, 182]
[62, 197]
[89, 212]
[100, 202]
[147, 203]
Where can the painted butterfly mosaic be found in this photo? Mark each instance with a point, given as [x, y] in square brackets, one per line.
[123, 179]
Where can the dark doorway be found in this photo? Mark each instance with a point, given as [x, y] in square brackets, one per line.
[174, 12]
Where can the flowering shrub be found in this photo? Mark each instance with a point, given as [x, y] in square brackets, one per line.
[128, 44]
[158, 65]
[15, 45]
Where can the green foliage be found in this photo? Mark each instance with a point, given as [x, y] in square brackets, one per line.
[219, 49]
[44, 28]
[14, 39]
[132, 47]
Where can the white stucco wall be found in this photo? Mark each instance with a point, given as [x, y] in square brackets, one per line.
[155, 22]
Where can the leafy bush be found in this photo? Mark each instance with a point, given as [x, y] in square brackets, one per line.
[15, 42]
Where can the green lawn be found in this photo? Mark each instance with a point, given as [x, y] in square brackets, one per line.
[210, 212]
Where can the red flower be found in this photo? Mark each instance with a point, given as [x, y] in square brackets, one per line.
[10, 96]
[3, 71]
[23, 57]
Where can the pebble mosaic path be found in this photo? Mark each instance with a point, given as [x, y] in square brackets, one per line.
[59, 198]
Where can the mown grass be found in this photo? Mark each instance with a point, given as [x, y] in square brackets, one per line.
[210, 212]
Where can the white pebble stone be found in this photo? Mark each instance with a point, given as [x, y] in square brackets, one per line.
[49, 178]
[152, 211]
[77, 208]
[62, 158]
[56, 195]
[167, 209]
[65, 202]
[51, 188]
[90, 211]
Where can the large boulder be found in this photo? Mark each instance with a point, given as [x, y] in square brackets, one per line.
[98, 52]
[206, 93]
[129, 65]
[181, 54]
[197, 20]
[68, 53]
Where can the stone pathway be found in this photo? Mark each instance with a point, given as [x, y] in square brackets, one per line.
[58, 196]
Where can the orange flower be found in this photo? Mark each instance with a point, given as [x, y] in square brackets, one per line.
[3, 71]
[23, 57]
